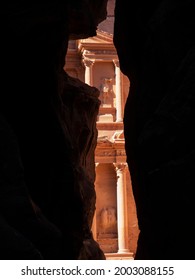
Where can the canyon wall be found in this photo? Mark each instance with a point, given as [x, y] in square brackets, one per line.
[155, 44]
[48, 132]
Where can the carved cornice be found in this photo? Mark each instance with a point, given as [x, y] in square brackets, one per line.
[110, 126]
[100, 52]
[100, 56]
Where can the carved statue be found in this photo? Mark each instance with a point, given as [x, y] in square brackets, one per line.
[107, 92]
[108, 220]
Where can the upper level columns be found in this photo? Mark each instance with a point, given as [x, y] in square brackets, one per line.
[88, 71]
[119, 108]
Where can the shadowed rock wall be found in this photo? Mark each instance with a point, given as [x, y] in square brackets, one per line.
[48, 132]
[155, 44]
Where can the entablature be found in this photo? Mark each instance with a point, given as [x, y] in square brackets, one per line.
[107, 152]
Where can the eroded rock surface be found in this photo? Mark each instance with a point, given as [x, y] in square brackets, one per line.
[155, 44]
[34, 38]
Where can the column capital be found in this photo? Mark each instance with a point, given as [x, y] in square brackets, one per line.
[116, 62]
[120, 167]
[88, 62]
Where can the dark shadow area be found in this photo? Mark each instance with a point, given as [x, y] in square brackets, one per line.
[155, 44]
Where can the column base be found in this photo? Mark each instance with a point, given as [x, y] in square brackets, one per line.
[119, 256]
[119, 120]
[122, 251]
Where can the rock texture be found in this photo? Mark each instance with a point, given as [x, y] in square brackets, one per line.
[25, 232]
[48, 132]
[78, 116]
[155, 44]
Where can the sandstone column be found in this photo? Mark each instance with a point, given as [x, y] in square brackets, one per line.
[119, 108]
[94, 227]
[88, 71]
[121, 208]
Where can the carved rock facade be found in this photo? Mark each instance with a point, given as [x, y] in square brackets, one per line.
[94, 60]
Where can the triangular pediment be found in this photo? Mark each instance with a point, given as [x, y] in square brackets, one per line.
[101, 38]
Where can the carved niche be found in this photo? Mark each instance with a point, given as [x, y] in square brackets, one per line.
[108, 222]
